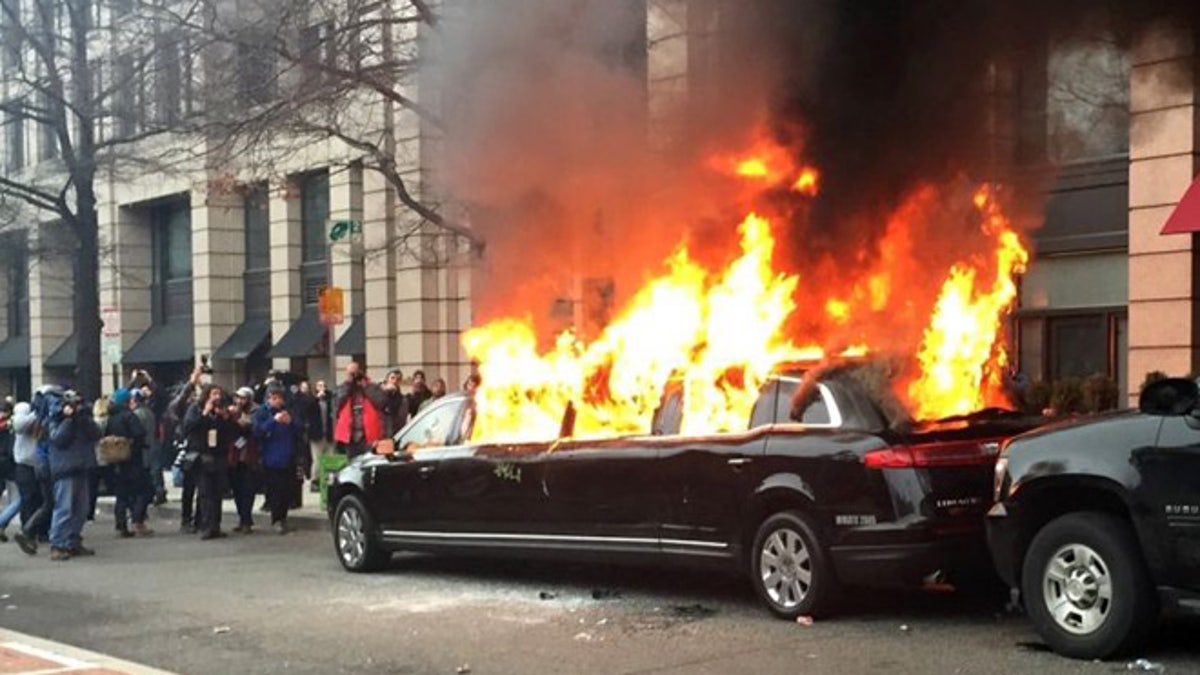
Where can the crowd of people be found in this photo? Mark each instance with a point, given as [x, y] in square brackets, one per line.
[56, 451]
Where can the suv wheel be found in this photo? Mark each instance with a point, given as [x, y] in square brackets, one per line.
[1086, 588]
[789, 568]
[354, 537]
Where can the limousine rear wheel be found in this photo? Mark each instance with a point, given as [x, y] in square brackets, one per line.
[789, 567]
[354, 537]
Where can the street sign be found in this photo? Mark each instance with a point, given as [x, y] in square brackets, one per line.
[331, 306]
[341, 228]
[110, 333]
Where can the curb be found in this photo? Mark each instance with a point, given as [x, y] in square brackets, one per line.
[64, 658]
[306, 521]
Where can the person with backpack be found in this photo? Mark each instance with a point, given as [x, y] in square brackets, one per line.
[130, 479]
[72, 454]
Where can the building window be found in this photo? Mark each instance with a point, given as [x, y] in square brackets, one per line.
[314, 216]
[169, 100]
[1073, 97]
[257, 280]
[256, 70]
[316, 51]
[18, 291]
[367, 36]
[48, 147]
[314, 219]
[14, 137]
[126, 90]
[172, 231]
[101, 121]
[1075, 344]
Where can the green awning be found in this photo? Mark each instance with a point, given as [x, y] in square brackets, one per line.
[64, 356]
[14, 352]
[163, 343]
[254, 334]
[303, 338]
[354, 340]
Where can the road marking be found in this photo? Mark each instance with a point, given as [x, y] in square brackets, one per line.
[22, 654]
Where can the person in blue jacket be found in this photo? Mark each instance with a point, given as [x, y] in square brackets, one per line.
[280, 436]
[71, 455]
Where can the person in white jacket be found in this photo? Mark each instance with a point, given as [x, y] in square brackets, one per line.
[25, 438]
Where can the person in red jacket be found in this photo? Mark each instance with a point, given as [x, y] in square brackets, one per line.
[358, 424]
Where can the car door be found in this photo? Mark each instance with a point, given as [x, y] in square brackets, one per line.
[1170, 484]
[404, 488]
[601, 495]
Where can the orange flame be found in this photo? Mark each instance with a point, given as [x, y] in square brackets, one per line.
[961, 356]
[720, 332]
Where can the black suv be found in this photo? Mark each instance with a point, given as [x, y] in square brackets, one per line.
[1097, 522]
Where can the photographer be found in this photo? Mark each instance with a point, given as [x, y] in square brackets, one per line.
[243, 458]
[173, 423]
[131, 478]
[72, 454]
[280, 435]
[210, 431]
[358, 424]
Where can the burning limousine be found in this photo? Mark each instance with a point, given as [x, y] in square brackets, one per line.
[823, 489]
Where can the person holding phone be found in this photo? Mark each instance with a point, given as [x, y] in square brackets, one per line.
[209, 431]
[280, 436]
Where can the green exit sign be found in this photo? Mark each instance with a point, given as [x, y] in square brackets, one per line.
[341, 228]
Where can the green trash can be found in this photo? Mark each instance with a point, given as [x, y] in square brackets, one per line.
[329, 465]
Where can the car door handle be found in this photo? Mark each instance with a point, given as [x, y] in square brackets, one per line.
[426, 471]
[738, 462]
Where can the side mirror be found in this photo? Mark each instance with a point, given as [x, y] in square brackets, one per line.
[1172, 396]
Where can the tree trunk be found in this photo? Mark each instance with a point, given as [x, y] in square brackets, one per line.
[86, 304]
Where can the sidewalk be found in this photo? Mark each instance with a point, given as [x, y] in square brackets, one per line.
[25, 654]
[310, 516]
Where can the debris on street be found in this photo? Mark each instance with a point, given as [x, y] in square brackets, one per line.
[1145, 666]
[463, 669]
[804, 620]
[605, 594]
[221, 630]
[695, 609]
[904, 628]
[547, 595]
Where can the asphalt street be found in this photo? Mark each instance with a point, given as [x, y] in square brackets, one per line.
[272, 604]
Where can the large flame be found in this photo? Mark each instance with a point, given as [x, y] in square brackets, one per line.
[719, 332]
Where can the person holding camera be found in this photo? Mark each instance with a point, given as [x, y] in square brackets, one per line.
[72, 454]
[176, 414]
[209, 431]
[130, 478]
[280, 436]
[358, 423]
[243, 459]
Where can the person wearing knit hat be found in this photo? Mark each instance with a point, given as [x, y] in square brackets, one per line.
[243, 459]
[131, 480]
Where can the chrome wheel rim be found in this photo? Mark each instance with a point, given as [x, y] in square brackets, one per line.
[785, 567]
[1077, 589]
[352, 538]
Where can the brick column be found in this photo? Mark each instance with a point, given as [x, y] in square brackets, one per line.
[218, 265]
[126, 275]
[1164, 325]
[286, 293]
[51, 288]
[379, 260]
[346, 203]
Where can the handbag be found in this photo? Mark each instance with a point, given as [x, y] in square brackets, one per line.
[113, 450]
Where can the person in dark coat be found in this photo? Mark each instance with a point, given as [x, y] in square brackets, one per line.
[419, 395]
[131, 479]
[244, 459]
[280, 436]
[209, 433]
[71, 455]
[395, 404]
[173, 420]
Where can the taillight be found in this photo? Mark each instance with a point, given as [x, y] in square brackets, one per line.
[932, 455]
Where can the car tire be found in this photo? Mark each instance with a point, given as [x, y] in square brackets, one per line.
[354, 537]
[1086, 588]
[789, 568]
